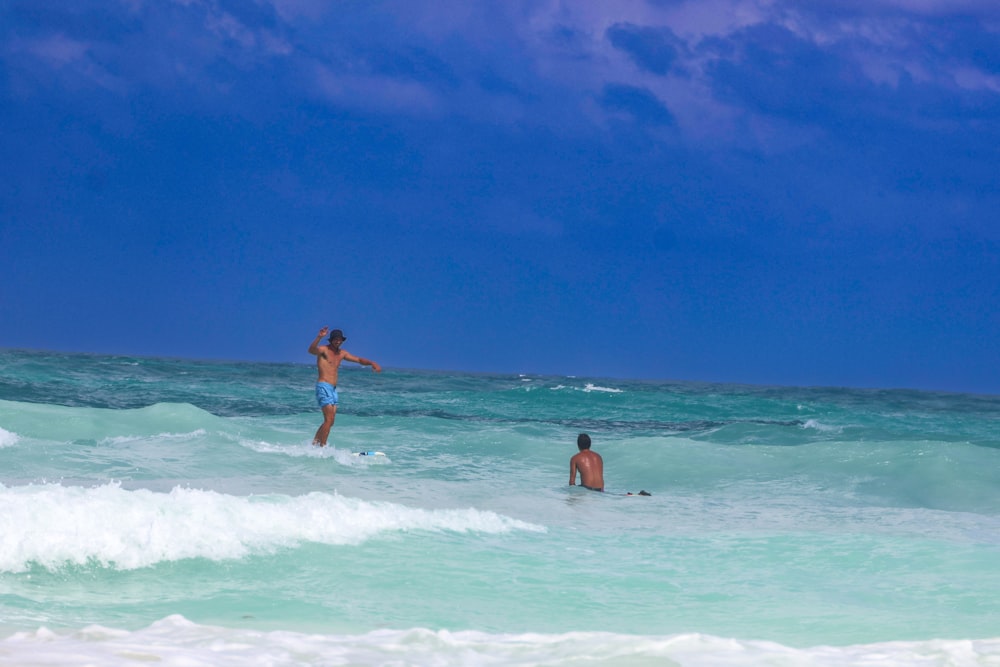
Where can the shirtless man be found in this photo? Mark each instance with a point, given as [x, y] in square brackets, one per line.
[590, 464]
[328, 358]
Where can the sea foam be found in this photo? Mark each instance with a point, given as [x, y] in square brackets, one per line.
[176, 641]
[593, 387]
[8, 439]
[52, 526]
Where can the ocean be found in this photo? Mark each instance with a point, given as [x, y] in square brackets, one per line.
[175, 512]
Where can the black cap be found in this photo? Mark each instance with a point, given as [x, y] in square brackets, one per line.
[337, 333]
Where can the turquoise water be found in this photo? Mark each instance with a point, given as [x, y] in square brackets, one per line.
[174, 511]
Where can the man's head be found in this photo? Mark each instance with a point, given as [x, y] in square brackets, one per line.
[583, 441]
[337, 337]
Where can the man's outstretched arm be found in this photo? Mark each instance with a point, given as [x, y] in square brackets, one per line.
[362, 361]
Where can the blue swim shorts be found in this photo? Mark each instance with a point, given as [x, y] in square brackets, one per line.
[326, 394]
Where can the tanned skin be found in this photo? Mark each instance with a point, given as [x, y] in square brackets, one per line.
[328, 360]
[589, 464]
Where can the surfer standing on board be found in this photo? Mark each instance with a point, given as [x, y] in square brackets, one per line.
[590, 464]
[328, 358]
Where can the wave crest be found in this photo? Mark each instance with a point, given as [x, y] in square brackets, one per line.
[53, 526]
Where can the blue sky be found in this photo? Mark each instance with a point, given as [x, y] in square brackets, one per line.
[758, 191]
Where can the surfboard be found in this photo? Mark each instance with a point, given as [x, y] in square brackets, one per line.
[368, 453]
[611, 493]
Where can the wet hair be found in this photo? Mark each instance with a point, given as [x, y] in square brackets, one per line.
[583, 441]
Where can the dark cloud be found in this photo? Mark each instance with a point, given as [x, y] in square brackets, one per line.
[774, 71]
[908, 10]
[963, 40]
[494, 82]
[654, 50]
[87, 19]
[252, 15]
[769, 70]
[411, 63]
[642, 105]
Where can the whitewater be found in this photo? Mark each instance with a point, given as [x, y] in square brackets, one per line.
[175, 512]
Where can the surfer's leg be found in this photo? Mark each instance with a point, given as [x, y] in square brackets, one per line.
[329, 414]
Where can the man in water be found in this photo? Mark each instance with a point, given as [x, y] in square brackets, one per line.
[590, 464]
[328, 359]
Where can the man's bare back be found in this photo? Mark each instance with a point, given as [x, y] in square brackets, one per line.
[589, 464]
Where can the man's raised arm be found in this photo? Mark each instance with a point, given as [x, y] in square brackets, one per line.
[314, 348]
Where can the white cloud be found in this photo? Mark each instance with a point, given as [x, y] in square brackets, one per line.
[56, 50]
[974, 79]
[374, 93]
[71, 60]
